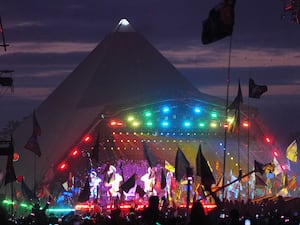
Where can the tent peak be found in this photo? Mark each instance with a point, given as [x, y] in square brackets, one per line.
[124, 26]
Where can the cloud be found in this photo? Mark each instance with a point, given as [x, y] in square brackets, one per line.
[51, 47]
[197, 57]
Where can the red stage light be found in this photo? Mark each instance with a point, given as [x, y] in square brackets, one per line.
[63, 166]
[75, 152]
[246, 124]
[268, 140]
[87, 139]
[284, 167]
[115, 123]
[275, 153]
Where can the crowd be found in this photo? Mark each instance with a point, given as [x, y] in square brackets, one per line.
[264, 212]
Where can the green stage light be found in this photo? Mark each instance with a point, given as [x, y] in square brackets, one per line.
[147, 114]
[214, 115]
[201, 125]
[149, 124]
[60, 210]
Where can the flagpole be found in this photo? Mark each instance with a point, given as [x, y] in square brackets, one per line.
[12, 197]
[34, 174]
[248, 147]
[226, 113]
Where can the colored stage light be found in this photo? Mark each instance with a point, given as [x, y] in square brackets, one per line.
[147, 114]
[276, 154]
[201, 125]
[213, 125]
[197, 110]
[130, 118]
[63, 166]
[187, 124]
[115, 123]
[166, 109]
[149, 124]
[75, 152]
[87, 138]
[246, 124]
[284, 167]
[60, 210]
[268, 140]
[135, 123]
[165, 124]
[214, 115]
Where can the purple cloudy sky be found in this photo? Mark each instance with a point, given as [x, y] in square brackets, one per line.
[48, 39]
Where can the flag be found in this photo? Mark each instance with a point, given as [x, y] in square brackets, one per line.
[259, 167]
[95, 149]
[292, 152]
[277, 167]
[140, 191]
[292, 183]
[27, 192]
[284, 180]
[149, 155]
[219, 23]
[36, 127]
[4, 45]
[163, 182]
[181, 165]
[203, 170]
[259, 181]
[255, 91]
[33, 145]
[128, 184]
[10, 175]
[85, 192]
[235, 105]
[169, 167]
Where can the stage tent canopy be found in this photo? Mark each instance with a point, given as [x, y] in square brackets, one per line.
[123, 71]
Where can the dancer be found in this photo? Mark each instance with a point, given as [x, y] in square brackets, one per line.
[94, 185]
[149, 180]
[112, 181]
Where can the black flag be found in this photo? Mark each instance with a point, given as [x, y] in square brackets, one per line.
[259, 167]
[181, 164]
[128, 184]
[235, 105]
[33, 145]
[255, 91]
[219, 23]
[10, 175]
[203, 170]
[28, 194]
[149, 155]
[163, 180]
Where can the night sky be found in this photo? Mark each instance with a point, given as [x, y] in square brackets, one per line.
[48, 39]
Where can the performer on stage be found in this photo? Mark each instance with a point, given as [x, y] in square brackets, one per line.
[94, 185]
[112, 181]
[149, 180]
